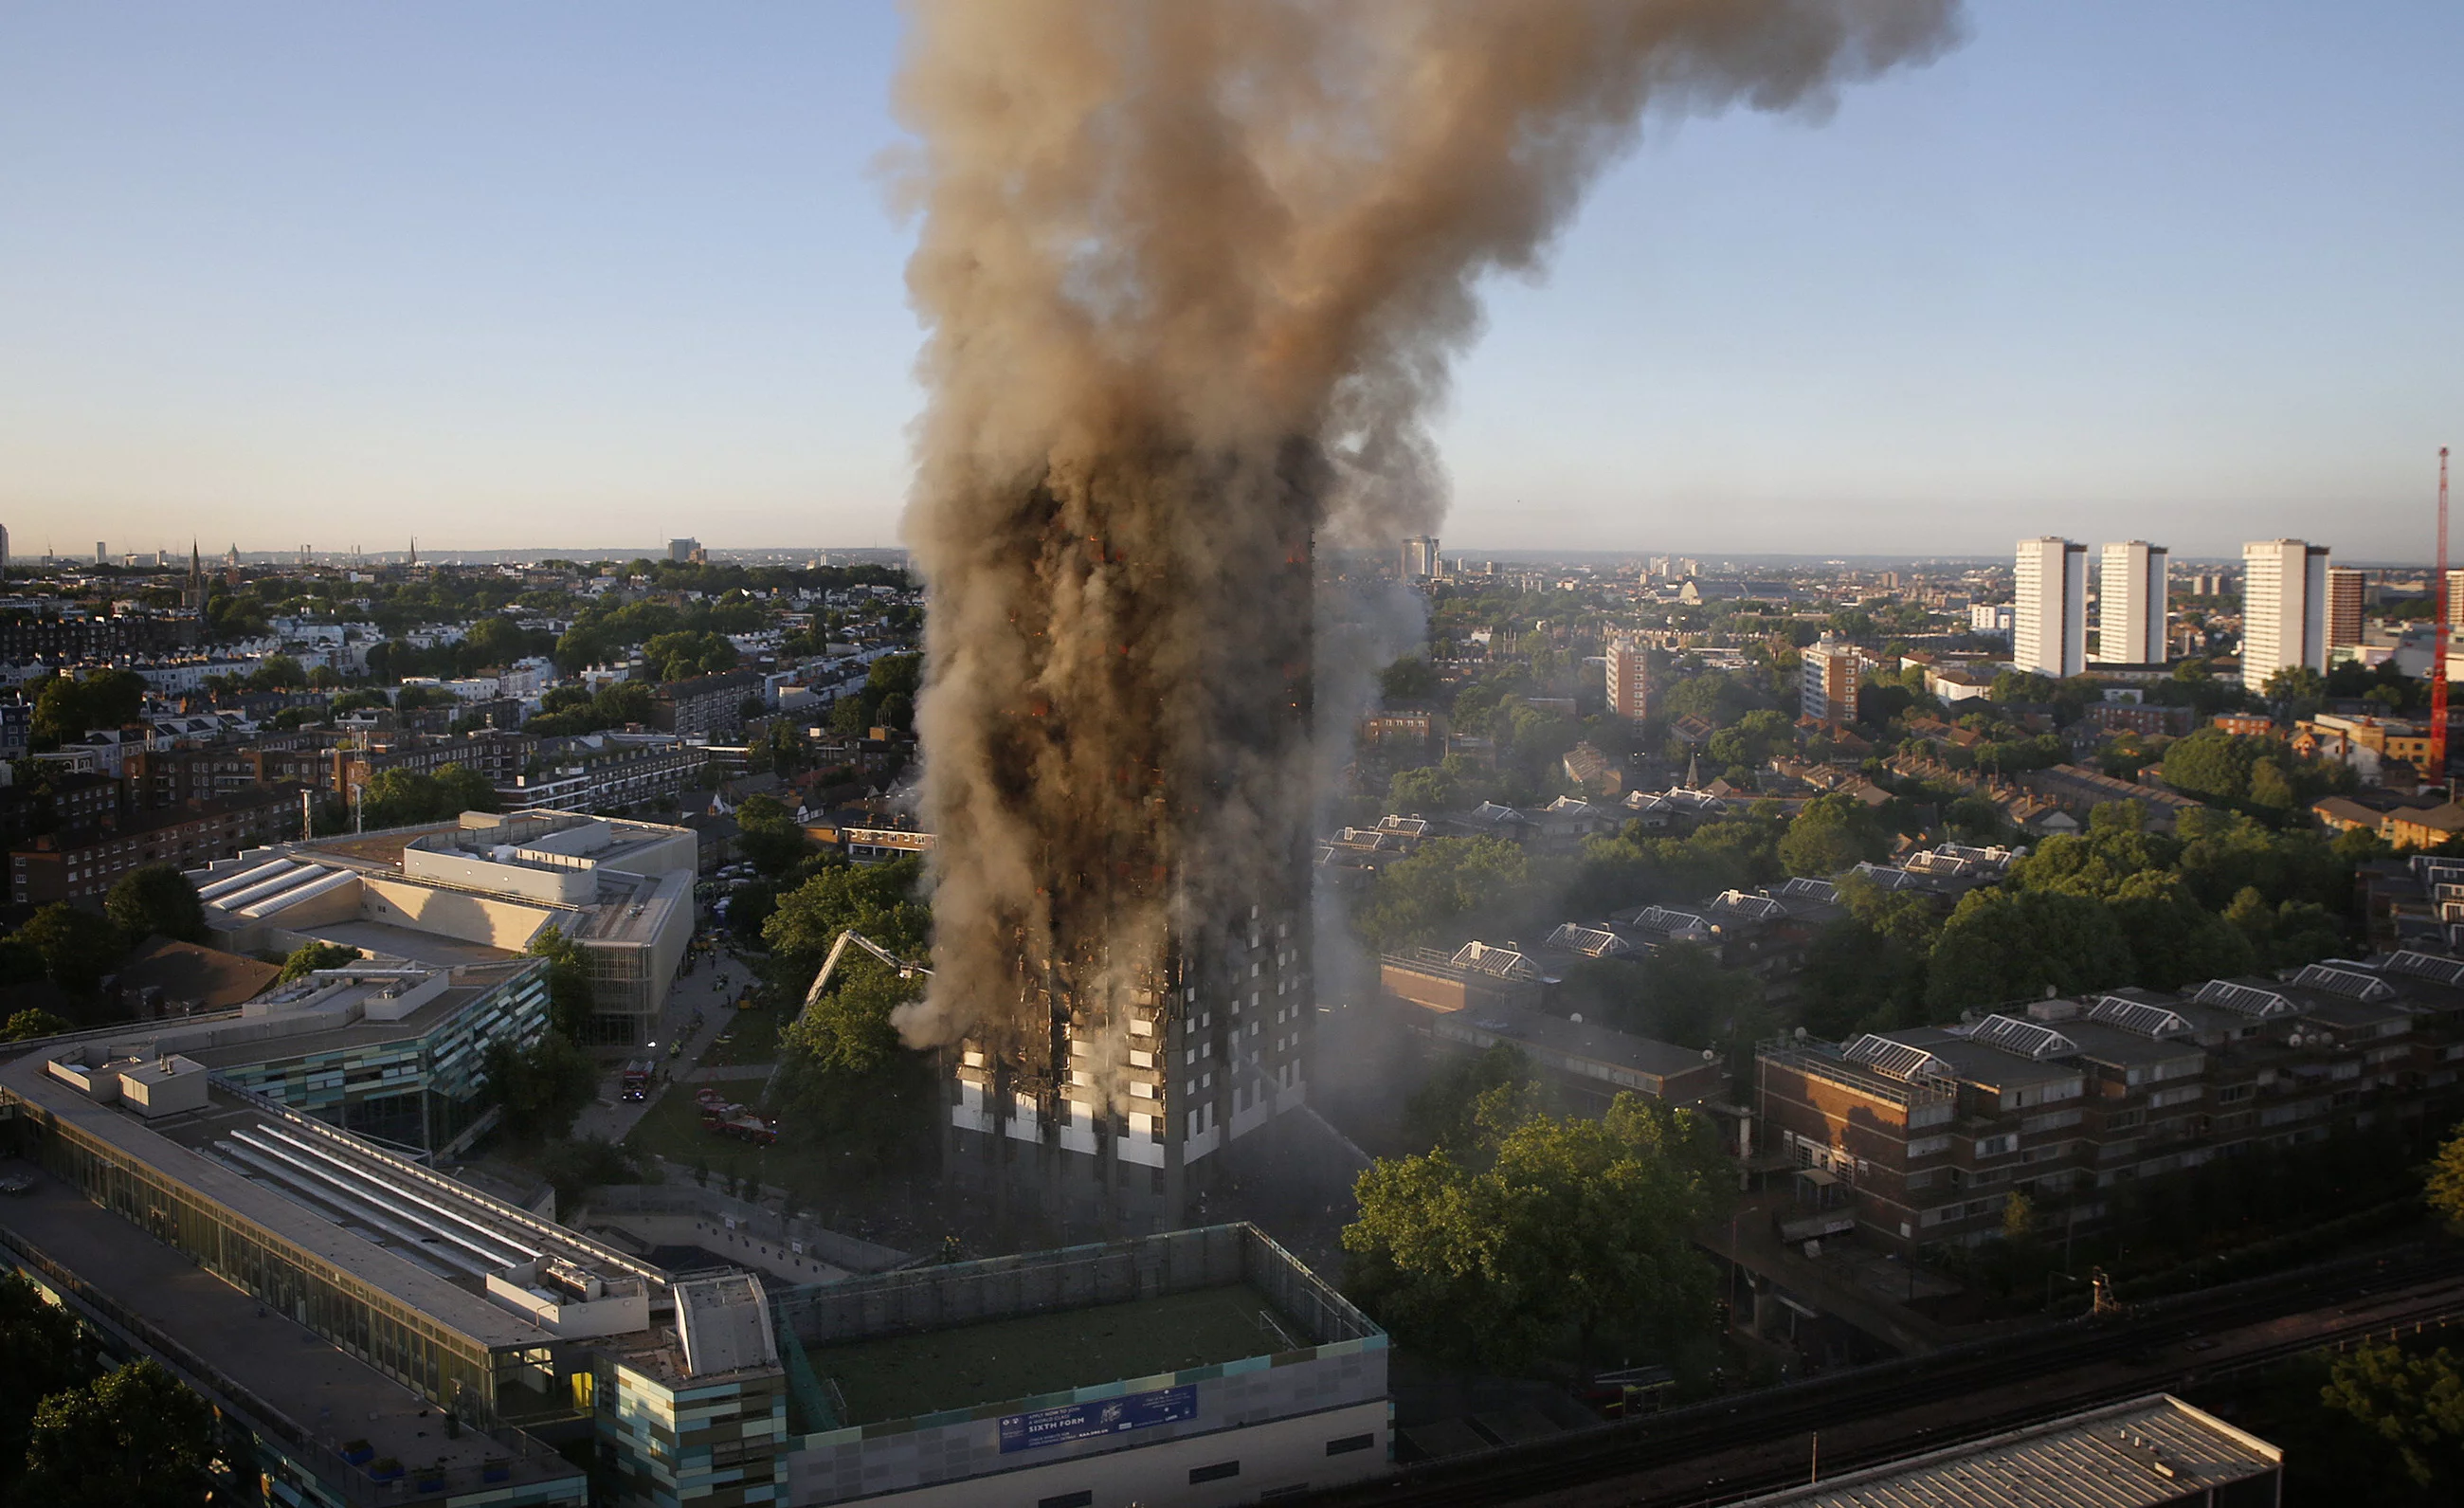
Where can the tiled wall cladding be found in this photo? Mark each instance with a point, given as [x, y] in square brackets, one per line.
[949, 1446]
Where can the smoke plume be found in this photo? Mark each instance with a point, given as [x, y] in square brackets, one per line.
[1192, 273]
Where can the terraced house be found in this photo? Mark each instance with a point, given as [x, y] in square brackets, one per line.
[1928, 1131]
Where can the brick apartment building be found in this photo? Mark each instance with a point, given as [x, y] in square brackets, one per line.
[81, 864]
[626, 778]
[162, 779]
[705, 706]
[69, 799]
[86, 640]
[1928, 1131]
[499, 756]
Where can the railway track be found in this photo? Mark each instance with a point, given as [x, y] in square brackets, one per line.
[2409, 1288]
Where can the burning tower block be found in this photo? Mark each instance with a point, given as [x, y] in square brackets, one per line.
[1138, 992]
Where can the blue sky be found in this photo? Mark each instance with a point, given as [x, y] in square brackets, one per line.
[511, 274]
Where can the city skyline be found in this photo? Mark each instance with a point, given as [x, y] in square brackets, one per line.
[641, 280]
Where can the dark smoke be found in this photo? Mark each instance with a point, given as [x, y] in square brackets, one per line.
[1193, 270]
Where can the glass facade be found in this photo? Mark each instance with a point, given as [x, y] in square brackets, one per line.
[414, 1092]
[485, 1389]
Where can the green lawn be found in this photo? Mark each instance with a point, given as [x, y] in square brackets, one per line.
[672, 1129]
[749, 1036]
[902, 1376]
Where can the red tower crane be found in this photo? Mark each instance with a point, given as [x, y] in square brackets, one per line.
[2437, 770]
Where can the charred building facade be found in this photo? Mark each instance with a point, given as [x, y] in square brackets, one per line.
[1153, 999]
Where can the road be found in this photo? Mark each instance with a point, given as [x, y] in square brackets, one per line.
[710, 987]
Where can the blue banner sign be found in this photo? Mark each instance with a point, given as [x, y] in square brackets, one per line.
[1092, 1421]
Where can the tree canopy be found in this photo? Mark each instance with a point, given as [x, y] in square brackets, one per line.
[1829, 835]
[847, 1028]
[133, 1438]
[401, 798]
[1431, 897]
[76, 947]
[67, 709]
[2002, 946]
[570, 997]
[1551, 1231]
[769, 837]
[311, 956]
[540, 1088]
[42, 1351]
[157, 899]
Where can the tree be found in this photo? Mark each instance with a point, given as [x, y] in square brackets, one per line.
[135, 1438]
[276, 672]
[1410, 678]
[1427, 789]
[401, 798]
[575, 1167]
[66, 709]
[847, 1030]
[76, 947]
[1429, 897]
[2024, 686]
[2414, 1403]
[1552, 1230]
[463, 789]
[2296, 691]
[1975, 819]
[2001, 947]
[312, 956]
[769, 837]
[570, 999]
[2018, 1220]
[1439, 1115]
[539, 1089]
[1832, 834]
[43, 1351]
[2212, 763]
[878, 900]
[2444, 1192]
[684, 655]
[27, 1025]
[2173, 940]
[157, 899]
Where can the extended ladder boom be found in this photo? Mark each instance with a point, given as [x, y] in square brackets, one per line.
[907, 969]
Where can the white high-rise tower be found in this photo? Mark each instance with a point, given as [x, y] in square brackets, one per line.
[2283, 607]
[2049, 608]
[2130, 615]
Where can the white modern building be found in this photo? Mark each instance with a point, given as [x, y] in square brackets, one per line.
[2284, 608]
[2130, 615]
[478, 890]
[2049, 610]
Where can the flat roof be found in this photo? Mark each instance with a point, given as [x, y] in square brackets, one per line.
[308, 1041]
[633, 907]
[188, 1148]
[310, 1382]
[2139, 1454]
[404, 943]
[1586, 1040]
[967, 1366]
[2110, 1044]
[1978, 1062]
